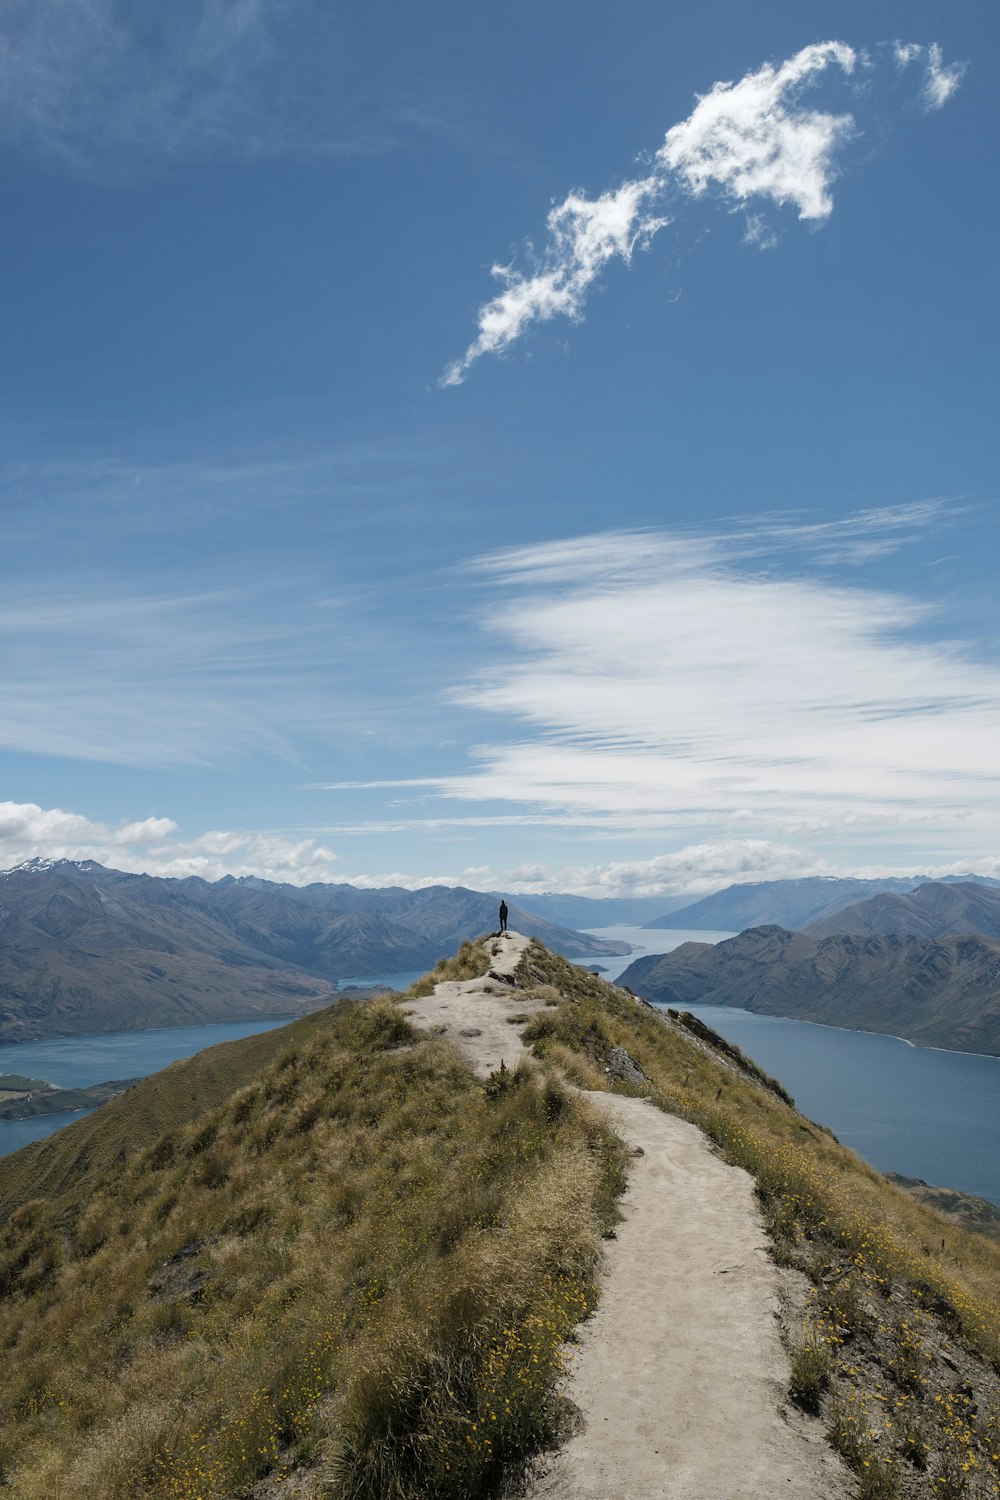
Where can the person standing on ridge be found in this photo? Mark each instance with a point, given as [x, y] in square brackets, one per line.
[503, 916]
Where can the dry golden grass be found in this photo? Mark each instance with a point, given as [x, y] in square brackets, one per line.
[365, 1242]
[366, 1261]
[470, 962]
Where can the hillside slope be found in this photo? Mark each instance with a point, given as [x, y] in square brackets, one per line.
[941, 993]
[353, 1275]
[65, 1164]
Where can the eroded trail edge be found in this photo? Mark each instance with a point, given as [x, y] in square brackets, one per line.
[680, 1377]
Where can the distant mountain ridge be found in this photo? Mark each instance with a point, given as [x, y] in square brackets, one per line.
[599, 911]
[792, 903]
[941, 992]
[85, 948]
[930, 911]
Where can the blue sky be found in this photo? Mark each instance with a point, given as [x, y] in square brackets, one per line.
[548, 448]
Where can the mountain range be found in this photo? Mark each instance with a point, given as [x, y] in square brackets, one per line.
[929, 911]
[84, 948]
[790, 903]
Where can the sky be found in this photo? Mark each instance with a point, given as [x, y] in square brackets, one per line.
[544, 447]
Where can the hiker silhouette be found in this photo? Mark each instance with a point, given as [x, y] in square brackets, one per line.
[503, 916]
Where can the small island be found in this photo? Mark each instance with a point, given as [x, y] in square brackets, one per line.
[22, 1098]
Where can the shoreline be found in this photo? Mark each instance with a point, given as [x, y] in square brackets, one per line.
[769, 1015]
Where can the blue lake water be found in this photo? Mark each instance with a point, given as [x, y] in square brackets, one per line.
[643, 941]
[916, 1110]
[76, 1061]
[399, 981]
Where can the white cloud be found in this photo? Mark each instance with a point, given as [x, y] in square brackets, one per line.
[271, 856]
[907, 52]
[691, 871]
[942, 80]
[148, 831]
[584, 235]
[687, 874]
[690, 681]
[28, 831]
[750, 139]
[754, 140]
[758, 232]
[622, 556]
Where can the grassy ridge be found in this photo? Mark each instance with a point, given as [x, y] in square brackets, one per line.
[332, 1253]
[904, 1320]
[362, 1264]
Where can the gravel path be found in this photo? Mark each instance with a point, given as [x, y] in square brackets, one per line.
[680, 1376]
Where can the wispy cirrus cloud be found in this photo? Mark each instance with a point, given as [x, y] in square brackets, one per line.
[728, 681]
[185, 677]
[754, 140]
[98, 86]
[940, 79]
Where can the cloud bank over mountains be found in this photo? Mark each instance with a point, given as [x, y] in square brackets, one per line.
[156, 846]
[28, 831]
[757, 139]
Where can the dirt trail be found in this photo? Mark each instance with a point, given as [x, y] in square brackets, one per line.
[476, 1014]
[680, 1377]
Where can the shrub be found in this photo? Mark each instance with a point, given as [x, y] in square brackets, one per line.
[810, 1375]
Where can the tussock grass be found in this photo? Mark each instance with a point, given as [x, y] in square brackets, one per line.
[810, 1372]
[57, 1165]
[471, 961]
[364, 1258]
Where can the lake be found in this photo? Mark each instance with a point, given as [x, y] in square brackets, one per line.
[76, 1061]
[916, 1110]
[644, 941]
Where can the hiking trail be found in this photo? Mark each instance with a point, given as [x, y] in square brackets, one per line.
[680, 1377]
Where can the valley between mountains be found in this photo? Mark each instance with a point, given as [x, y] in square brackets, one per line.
[84, 949]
